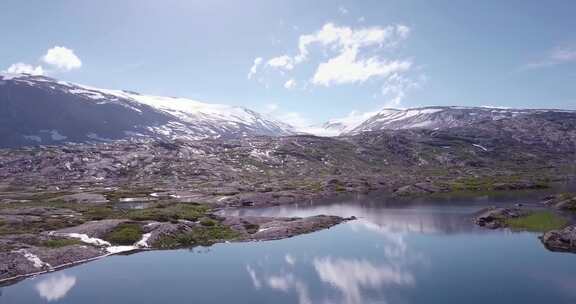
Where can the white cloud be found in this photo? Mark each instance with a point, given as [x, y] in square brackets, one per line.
[62, 58]
[290, 84]
[558, 56]
[397, 86]
[255, 66]
[340, 39]
[23, 68]
[343, 55]
[564, 54]
[342, 10]
[347, 68]
[282, 62]
[346, 55]
[270, 108]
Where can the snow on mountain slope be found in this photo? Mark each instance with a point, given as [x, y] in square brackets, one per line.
[434, 118]
[34, 108]
[438, 117]
[343, 125]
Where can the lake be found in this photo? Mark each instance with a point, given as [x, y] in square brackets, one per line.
[398, 251]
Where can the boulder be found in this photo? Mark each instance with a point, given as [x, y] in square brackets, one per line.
[560, 240]
[495, 217]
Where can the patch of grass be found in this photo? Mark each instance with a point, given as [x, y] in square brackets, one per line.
[498, 183]
[208, 222]
[339, 188]
[47, 224]
[58, 243]
[99, 213]
[203, 236]
[473, 184]
[125, 234]
[46, 196]
[169, 213]
[541, 221]
[315, 186]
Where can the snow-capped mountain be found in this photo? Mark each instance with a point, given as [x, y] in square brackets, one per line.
[338, 126]
[41, 110]
[437, 117]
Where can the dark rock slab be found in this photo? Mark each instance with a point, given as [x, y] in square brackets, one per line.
[563, 240]
[281, 228]
[495, 217]
[565, 201]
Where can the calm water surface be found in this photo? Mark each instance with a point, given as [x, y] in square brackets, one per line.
[416, 251]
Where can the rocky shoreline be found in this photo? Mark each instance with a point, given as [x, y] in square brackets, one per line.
[86, 242]
[49, 230]
[560, 239]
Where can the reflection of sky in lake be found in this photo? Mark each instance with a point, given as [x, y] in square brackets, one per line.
[415, 252]
[350, 277]
[55, 287]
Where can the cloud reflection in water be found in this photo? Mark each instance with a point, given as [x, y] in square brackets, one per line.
[55, 287]
[351, 276]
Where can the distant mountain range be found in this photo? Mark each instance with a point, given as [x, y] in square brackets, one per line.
[431, 118]
[38, 110]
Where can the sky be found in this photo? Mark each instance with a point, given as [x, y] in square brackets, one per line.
[304, 61]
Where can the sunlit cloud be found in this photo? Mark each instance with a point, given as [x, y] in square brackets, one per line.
[255, 66]
[557, 56]
[62, 58]
[347, 69]
[342, 55]
[281, 62]
[23, 68]
[58, 59]
[290, 84]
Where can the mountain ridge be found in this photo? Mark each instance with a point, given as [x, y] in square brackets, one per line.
[41, 110]
[428, 117]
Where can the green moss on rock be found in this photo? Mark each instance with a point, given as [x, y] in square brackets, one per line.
[125, 234]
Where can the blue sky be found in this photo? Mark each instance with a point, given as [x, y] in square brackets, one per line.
[317, 59]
